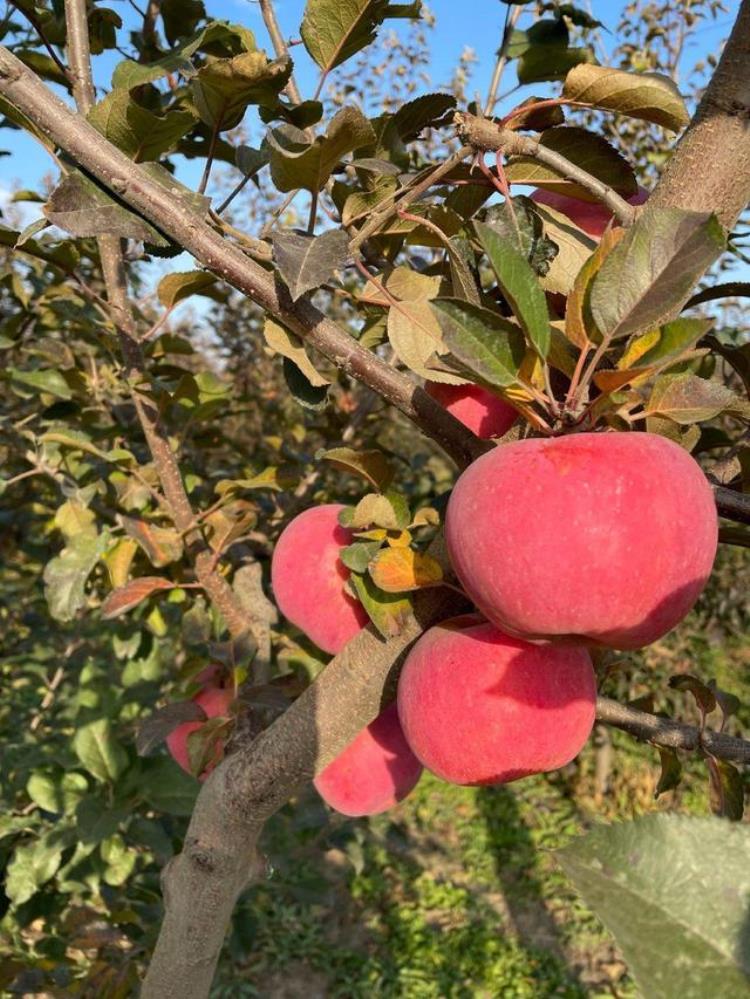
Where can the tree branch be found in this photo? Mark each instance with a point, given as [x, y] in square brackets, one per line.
[487, 136]
[157, 203]
[710, 169]
[116, 283]
[671, 734]
[279, 45]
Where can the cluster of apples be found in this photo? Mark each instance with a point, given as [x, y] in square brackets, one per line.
[592, 539]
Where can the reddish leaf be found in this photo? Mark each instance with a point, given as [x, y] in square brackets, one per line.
[133, 593]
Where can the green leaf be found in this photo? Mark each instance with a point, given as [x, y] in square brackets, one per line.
[100, 753]
[59, 792]
[30, 867]
[306, 262]
[82, 208]
[129, 74]
[49, 380]
[585, 149]
[651, 271]
[65, 576]
[550, 62]
[298, 163]
[358, 556]
[167, 788]
[119, 860]
[487, 345]
[674, 892]
[647, 96]
[138, 132]
[423, 112]
[389, 612]
[687, 398]
[372, 466]
[175, 288]
[378, 510]
[335, 30]
[224, 88]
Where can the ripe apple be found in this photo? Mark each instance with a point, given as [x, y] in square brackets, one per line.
[484, 413]
[606, 538]
[592, 217]
[308, 578]
[215, 701]
[374, 772]
[479, 707]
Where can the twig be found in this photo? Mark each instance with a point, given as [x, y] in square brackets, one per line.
[671, 734]
[512, 14]
[115, 280]
[483, 134]
[279, 45]
[36, 25]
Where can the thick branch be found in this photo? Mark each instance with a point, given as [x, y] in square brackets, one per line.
[157, 203]
[671, 734]
[710, 169]
[116, 283]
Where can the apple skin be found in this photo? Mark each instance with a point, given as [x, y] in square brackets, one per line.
[308, 577]
[592, 217]
[479, 707]
[484, 413]
[374, 772]
[215, 701]
[601, 538]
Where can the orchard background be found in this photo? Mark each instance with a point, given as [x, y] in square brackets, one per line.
[215, 314]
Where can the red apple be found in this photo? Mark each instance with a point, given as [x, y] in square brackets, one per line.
[599, 537]
[478, 707]
[592, 217]
[374, 772]
[484, 413]
[308, 578]
[216, 702]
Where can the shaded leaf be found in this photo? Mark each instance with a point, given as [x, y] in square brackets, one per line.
[373, 466]
[656, 884]
[292, 348]
[162, 545]
[519, 286]
[224, 88]
[704, 696]
[152, 731]
[388, 612]
[65, 576]
[579, 323]
[306, 394]
[306, 262]
[671, 771]
[296, 162]
[652, 269]
[416, 335]
[727, 789]
[585, 149]
[648, 96]
[175, 288]
[550, 62]
[524, 230]
[687, 398]
[138, 132]
[82, 208]
[574, 249]
[484, 343]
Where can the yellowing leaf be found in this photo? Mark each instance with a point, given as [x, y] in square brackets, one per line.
[291, 347]
[398, 570]
[648, 96]
[578, 321]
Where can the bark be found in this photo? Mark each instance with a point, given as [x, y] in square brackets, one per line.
[710, 169]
